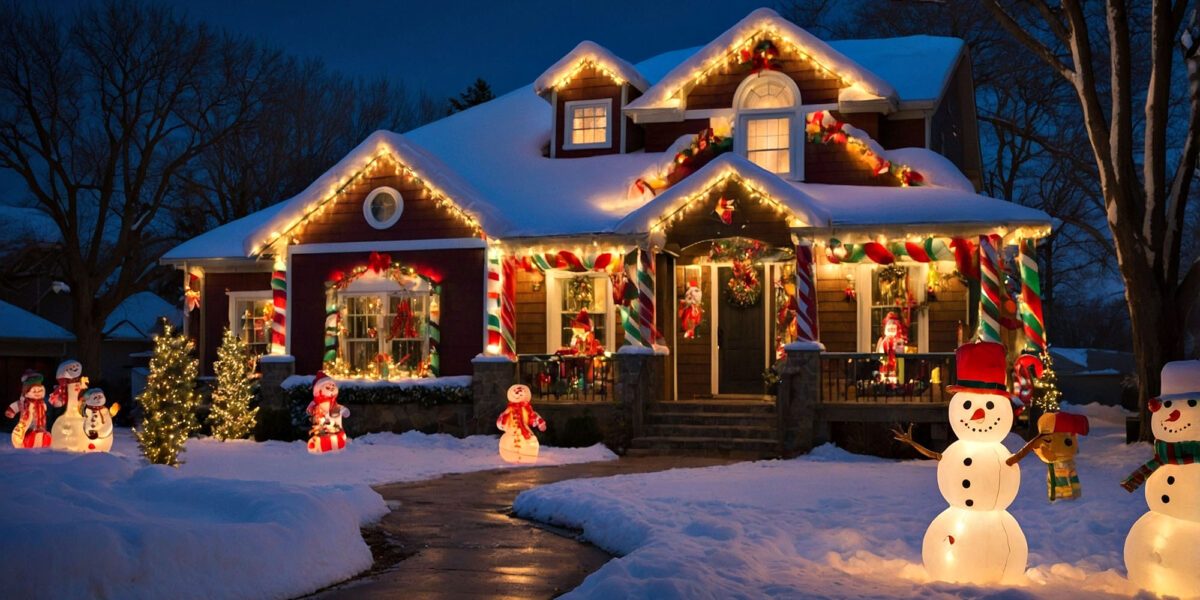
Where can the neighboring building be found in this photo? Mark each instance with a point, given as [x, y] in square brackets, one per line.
[28, 341]
[700, 175]
[1087, 375]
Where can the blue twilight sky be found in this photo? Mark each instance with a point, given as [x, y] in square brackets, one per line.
[443, 46]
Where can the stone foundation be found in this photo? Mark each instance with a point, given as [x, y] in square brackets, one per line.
[398, 418]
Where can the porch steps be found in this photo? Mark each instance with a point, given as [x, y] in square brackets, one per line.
[738, 428]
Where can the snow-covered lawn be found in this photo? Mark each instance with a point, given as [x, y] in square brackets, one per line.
[237, 520]
[836, 525]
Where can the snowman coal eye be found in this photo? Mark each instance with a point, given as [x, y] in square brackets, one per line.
[1167, 404]
[1067, 442]
[990, 405]
[1191, 404]
[967, 405]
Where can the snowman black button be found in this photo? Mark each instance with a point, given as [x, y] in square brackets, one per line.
[1166, 498]
[967, 461]
[966, 483]
[1170, 480]
[970, 503]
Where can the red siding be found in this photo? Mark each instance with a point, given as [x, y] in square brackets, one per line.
[459, 271]
[422, 219]
[902, 133]
[660, 136]
[815, 87]
[216, 306]
[592, 85]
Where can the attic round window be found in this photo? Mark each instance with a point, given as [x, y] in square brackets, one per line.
[383, 207]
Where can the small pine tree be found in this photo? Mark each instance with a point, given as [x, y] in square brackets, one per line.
[476, 93]
[1046, 394]
[231, 417]
[169, 400]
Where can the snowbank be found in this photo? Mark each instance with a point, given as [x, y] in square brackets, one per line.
[836, 525]
[101, 525]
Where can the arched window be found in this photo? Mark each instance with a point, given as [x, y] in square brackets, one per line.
[769, 123]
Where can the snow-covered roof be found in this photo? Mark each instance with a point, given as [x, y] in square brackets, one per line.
[919, 67]
[225, 241]
[600, 57]
[136, 319]
[20, 324]
[665, 93]
[853, 206]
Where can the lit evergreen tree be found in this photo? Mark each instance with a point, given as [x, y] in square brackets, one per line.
[169, 400]
[231, 417]
[1046, 394]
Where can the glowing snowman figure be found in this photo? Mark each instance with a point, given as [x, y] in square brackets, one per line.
[1160, 551]
[97, 421]
[976, 540]
[519, 444]
[67, 431]
[326, 434]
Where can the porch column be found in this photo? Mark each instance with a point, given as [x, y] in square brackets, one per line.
[806, 292]
[645, 285]
[989, 289]
[1033, 322]
[508, 308]
[492, 304]
[280, 301]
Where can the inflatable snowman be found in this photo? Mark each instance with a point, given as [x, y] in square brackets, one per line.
[1161, 549]
[519, 444]
[976, 540]
[30, 412]
[326, 434]
[97, 421]
[68, 427]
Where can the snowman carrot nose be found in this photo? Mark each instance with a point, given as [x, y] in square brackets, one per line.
[1174, 416]
[977, 415]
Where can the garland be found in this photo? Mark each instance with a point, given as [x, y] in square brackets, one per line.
[764, 57]
[744, 289]
[823, 128]
[704, 147]
[299, 396]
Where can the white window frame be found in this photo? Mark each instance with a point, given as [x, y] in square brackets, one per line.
[795, 117]
[569, 121]
[862, 284]
[370, 216]
[384, 297]
[235, 318]
[554, 324]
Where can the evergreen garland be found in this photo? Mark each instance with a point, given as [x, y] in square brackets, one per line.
[169, 400]
[231, 417]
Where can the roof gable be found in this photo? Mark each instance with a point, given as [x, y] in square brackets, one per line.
[589, 53]
[20, 324]
[668, 93]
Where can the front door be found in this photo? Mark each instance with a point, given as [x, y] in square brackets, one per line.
[741, 340]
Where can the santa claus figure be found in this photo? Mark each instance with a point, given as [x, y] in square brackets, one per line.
[519, 444]
[583, 339]
[691, 309]
[97, 421]
[893, 340]
[326, 434]
[30, 412]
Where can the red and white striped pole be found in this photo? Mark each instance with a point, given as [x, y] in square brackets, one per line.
[645, 304]
[806, 292]
[279, 300]
[508, 310]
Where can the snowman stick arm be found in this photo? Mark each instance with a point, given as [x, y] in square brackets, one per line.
[1024, 451]
[906, 437]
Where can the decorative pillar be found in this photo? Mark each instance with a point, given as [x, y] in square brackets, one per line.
[989, 287]
[508, 310]
[279, 299]
[806, 292]
[333, 320]
[1032, 320]
[645, 301]
[493, 302]
[631, 316]
[435, 331]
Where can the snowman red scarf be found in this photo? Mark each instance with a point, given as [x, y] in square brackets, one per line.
[1165, 453]
[522, 414]
[59, 396]
[32, 412]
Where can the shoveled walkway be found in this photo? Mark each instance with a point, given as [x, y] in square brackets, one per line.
[458, 540]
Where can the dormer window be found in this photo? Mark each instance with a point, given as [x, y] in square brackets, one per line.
[768, 124]
[589, 124]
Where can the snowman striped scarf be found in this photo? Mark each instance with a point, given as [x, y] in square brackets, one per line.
[1165, 453]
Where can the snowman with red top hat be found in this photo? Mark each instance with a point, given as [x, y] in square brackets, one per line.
[326, 434]
[1161, 549]
[976, 540]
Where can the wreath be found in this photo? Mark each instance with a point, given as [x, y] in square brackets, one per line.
[744, 289]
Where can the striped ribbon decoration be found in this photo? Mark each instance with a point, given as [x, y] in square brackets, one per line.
[806, 295]
[630, 314]
[332, 320]
[927, 250]
[1031, 297]
[279, 320]
[645, 302]
[493, 300]
[508, 309]
[435, 331]
[570, 261]
[989, 287]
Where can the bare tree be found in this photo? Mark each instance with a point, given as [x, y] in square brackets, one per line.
[1146, 191]
[100, 115]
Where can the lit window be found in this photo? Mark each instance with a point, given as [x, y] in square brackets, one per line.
[769, 94]
[569, 295]
[588, 124]
[768, 143]
[386, 328]
[250, 316]
[383, 207]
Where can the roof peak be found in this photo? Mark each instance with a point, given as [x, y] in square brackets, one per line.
[585, 53]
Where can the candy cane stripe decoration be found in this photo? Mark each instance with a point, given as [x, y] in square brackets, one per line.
[332, 321]
[435, 331]
[508, 310]
[806, 295]
[1031, 297]
[279, 299]
[493, 302]
[989, 287]
[645, 302]
[630, 315]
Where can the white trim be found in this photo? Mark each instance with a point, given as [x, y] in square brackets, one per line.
[392, 245]
[388, 222]
[240, 295]
[708, 113]
[553, 124]
[569, 113]
[624, 133]
[487, 265]
[553, 287]
[715, 349]
[862, 284]
[795, 115]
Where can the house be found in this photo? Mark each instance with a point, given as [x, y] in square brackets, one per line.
[710, 205]
[28, 341]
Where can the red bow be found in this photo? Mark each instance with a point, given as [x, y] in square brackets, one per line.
[724, 210]
[379, 262]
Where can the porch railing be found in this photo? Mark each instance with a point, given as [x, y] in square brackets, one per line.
[851, 377]
[566, 378]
